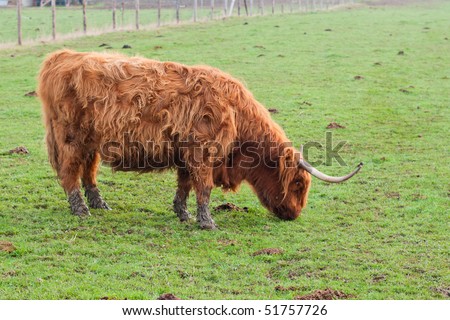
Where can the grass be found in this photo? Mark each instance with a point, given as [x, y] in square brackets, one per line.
[37, 22]
[382, 235]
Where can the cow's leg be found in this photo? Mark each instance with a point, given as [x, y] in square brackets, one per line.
[184, 187]
[90, 167]
[204, 217]
[202, 180]
[69, 172]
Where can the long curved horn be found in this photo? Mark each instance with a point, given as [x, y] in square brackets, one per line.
[322, 176]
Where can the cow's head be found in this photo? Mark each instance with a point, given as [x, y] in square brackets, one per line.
[284, 189]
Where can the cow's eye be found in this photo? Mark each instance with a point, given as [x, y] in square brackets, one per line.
[297, 183]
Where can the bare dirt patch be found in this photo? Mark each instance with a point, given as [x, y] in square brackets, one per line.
[7, 246]
[11, 273]
[291, 288]
[358, 77]
[445, 291]
[327, 294]
[418, 196]
[31, 94]
[393, 195]
[230, 207]
[268, 251]
[19, 150]
[378, 278]
[273, 110]
[227, 242]
[334, 125]
[168, 296]
[293, 275]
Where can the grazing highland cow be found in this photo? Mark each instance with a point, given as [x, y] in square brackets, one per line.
[137, 114]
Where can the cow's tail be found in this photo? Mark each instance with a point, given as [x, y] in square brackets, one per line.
[52, 146]
[49, 91]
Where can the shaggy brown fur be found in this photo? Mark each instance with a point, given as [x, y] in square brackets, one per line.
[138, 114]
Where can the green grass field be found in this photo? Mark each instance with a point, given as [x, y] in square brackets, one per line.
[381, 235]
[37, 22]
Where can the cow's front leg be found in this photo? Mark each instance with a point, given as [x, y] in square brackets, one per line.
[70, 173]
[179, 202]
[95, 200]
[77, 205]
[201, 176]
[204, 217]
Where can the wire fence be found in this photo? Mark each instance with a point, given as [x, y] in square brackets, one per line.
[56, 19]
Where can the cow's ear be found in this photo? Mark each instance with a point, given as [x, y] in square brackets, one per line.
[288, 154]
[287, 159]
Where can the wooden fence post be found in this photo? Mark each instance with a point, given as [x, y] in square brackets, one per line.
[54, 19]
[212, 9]
[19, 22]
[114, 14]
[84, 17]
[273, 6]
[195, 10]
[159, 13]
[123, 10]
[136, 4]
[177, 11]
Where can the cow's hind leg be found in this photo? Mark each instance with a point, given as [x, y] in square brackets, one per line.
[90, 167]
[184, 187]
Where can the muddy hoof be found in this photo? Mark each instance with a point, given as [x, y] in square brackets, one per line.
[95, 199]
[184, 216]
[208, 225]
[99, 203]
[81, 211]
[77, 205]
